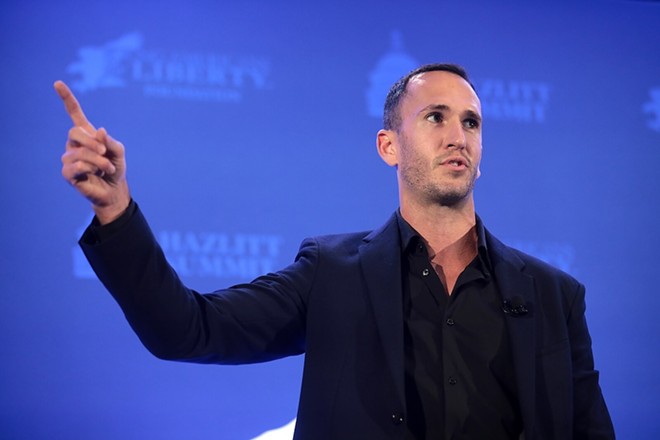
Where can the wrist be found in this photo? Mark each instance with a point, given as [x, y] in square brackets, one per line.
[109, 212]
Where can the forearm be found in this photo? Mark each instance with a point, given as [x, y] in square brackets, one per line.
[128, 261]
[248, 323]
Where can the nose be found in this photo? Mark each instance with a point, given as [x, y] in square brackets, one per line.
[456, 135]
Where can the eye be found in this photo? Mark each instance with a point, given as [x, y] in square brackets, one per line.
[471, 123]
[435, 117]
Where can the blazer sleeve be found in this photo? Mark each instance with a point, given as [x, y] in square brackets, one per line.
[252, 322]
[591, 417]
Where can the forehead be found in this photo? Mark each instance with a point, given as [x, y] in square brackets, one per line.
[439, 88]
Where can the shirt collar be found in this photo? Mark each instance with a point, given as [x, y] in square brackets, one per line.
[410, 239]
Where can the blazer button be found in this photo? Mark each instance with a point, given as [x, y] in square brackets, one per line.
[397, 418]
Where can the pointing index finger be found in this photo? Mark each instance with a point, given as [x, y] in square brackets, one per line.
[72, 106]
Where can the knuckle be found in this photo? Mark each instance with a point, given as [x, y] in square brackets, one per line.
[74, 134]
[71, 173]
[72, 144]
[79, 167]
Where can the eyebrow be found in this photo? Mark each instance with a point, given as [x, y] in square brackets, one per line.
[441, 107]
[473, 115]
[444, 107]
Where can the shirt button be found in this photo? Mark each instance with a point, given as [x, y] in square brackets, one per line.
[425, 272]
[450, 321]
[452, 381]
[397, 418]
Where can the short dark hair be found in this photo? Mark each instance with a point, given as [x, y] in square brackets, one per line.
[391, 116]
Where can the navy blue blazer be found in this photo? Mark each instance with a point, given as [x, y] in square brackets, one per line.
[340, 303]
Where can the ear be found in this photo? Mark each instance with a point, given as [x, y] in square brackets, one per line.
[386, 142]
[479, 166]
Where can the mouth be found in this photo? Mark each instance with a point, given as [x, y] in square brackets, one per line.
[455, 162]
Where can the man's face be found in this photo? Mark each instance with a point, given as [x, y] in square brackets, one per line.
[437, 148]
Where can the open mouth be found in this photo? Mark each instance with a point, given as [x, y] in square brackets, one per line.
[455, 162]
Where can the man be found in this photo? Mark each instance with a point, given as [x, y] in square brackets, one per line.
[427, 327]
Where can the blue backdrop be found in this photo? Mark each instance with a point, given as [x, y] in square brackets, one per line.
[250, 125]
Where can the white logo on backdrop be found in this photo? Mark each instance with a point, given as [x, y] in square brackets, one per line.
[221, 255]
[207, 255]
[518, 101]
[653, 107]
[189, 75]
[392, 66]
[106, 65]
[505, 100]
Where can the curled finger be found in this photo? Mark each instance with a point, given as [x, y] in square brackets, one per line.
[86, 156]
[80, 137]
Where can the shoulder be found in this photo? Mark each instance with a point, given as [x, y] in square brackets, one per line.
[339, 241]
[348, 244]
[537, 265]
[544, 273]
[341, 246]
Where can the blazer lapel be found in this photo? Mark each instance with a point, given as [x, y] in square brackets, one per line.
[380, 259]
[512, 282]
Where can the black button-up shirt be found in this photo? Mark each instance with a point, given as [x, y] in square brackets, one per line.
[459, 374]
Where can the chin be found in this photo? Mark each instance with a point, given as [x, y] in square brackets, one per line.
[451, 196]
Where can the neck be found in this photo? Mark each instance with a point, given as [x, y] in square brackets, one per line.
[450, 235]
[441, 227]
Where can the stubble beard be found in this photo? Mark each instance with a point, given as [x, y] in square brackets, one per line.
[424, 179]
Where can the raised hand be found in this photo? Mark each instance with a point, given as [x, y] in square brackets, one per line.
[93, 162]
